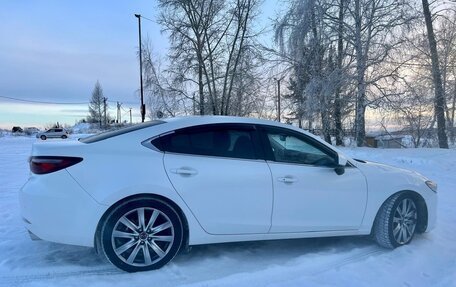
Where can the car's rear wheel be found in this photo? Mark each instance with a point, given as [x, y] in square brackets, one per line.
[142, 234]
[43, 137]
[396, 221]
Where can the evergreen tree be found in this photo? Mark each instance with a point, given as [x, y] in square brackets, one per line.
[97, 107]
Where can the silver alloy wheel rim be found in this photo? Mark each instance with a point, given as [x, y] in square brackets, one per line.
[404, 221]
[145, 242]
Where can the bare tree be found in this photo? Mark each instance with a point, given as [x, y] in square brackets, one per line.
[165, 96]
[340, 58]
[440, 104]
[212, 48]
[445, 32]
[186, 21]
[374, 36]
[413, 108]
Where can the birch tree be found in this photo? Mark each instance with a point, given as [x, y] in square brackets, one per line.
[374, 36]
[211, 46]
[440, 102]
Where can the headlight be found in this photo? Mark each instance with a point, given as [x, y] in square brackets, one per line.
[432, 185]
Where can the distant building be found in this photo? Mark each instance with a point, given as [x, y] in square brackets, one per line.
[384, 141]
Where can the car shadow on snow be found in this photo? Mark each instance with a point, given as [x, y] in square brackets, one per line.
[275, 249]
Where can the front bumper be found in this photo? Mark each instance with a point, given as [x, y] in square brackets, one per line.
[431, 199]
[55, 208]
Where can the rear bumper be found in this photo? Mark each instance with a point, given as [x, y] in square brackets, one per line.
[55, 208]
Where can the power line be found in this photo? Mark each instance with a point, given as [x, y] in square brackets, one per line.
[147, 19]
[42, 102]
[417, 64]
[53, 103]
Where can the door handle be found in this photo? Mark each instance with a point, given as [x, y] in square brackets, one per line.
[287, 179]
[184, 171]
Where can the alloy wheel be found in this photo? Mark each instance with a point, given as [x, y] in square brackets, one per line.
[404, 221]
[143, 236]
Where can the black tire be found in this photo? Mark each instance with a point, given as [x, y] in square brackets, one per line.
[43, 137]
[392, 228]
[64, 137]
[145, 241]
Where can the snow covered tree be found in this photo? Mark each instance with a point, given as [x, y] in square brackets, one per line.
[306, 36]
[163, 95]
[374, 33]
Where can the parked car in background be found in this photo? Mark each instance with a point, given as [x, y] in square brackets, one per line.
[31, 130]
[202, 180]
[53, 133]
[17, 130]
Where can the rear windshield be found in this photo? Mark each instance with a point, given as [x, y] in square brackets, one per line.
[117, 132]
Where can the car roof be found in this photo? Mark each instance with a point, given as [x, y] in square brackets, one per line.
[207, 119]
[147, 130]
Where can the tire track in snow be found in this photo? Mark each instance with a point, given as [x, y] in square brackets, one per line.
[273, 275]
[348, 260]
[18, 280]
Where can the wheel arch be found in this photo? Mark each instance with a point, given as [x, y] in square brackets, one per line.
[185, 225]
[421, 205]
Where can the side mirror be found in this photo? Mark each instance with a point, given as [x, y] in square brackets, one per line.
[342, 160]
[340, 168]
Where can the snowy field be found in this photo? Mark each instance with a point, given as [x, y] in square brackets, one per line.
[350, 261]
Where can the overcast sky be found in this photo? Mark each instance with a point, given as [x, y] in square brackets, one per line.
[55, 51]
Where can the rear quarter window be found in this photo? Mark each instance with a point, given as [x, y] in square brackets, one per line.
[118, 132]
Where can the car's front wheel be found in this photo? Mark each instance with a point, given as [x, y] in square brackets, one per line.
[43, 137]
[142, 234]
[396, 221]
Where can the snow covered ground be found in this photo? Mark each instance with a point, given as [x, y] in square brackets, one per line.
[350, 261]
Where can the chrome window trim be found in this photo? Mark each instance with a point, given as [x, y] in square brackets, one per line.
[148, 142]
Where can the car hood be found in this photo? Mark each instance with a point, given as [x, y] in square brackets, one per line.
[390, 172]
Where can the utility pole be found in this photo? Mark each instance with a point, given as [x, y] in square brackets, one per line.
[278, 98]
[119, 113]
[130, 117]
[104, 108]
[118, 107]
[194, 105]
[143, 107]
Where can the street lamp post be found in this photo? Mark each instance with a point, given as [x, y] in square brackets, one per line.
[143, 107]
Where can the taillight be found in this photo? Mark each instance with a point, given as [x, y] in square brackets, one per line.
[48, 164]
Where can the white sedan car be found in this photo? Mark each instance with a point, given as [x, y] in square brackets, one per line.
[141, 194]
[53, 133]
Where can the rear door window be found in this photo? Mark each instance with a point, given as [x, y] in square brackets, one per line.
[212, 140]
